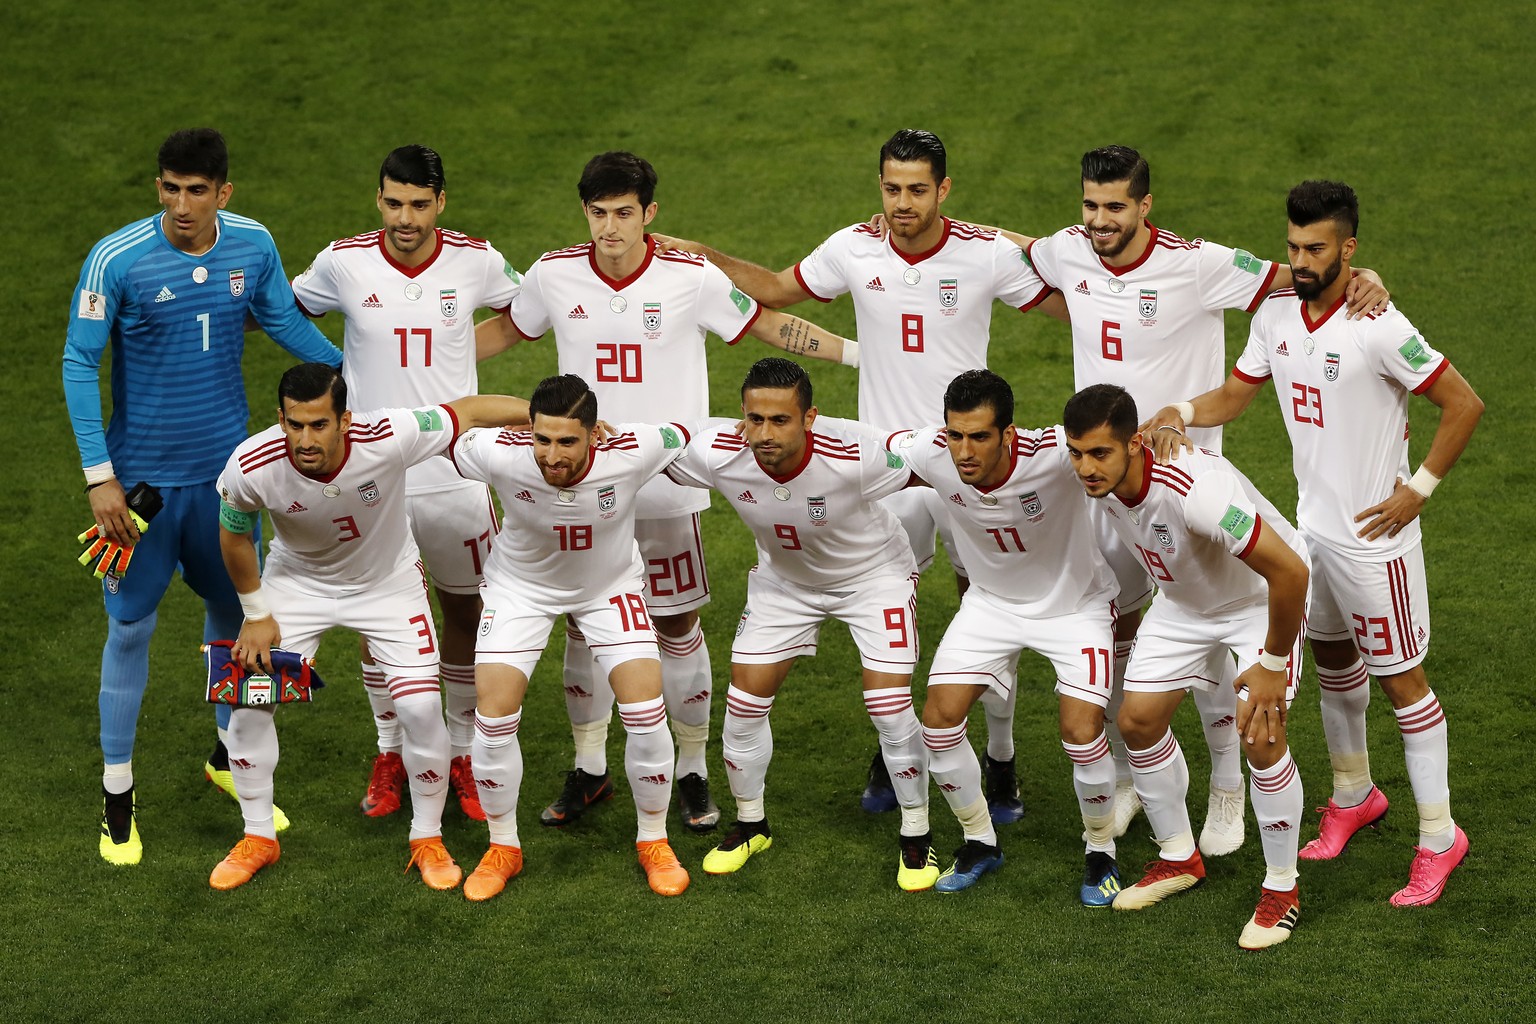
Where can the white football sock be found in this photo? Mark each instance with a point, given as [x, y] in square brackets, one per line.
[1218, 717]
[252, 762]
[498, 757]
[685, 682]
[1277, 805]
[459, 703]
[1093, 778]
[1426, 749]
[954, 767]
[588, 702]
[424, 750]
[385, 723]
[648, 756]
[1344, 694]
[901, 743]
[1162, 782]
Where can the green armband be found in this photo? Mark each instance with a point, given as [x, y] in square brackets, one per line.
[234, 520]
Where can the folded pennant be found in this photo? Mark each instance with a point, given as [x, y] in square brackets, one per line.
[292, 679]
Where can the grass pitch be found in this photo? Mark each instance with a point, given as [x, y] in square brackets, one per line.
[764, 122]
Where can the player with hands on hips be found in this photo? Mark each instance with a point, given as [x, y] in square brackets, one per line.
[342, 555]
[1232, 581]
[1343, 387]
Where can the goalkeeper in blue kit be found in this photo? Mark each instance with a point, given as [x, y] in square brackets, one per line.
[170, 294]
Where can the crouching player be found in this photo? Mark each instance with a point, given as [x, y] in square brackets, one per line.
[1232, 575]
[567, 547]
[342, 555]
[1038, 582]
[825, 550]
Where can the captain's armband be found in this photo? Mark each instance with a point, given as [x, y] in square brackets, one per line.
[234, 520]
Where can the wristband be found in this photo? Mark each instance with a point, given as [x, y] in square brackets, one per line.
[1270, 662]
[254, 604]
[1186, 411]
[1424, 482]
[850, 352]
[98, 474]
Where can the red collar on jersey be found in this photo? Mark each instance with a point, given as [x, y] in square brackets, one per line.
[618, 286]
[1312, 325]
[412, 271]
[919, 257]
[346, 453]
[1013, 464]
[1151, 244]
[805, 460]
[1146, 479]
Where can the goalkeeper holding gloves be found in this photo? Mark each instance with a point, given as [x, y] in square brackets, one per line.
[111, 556]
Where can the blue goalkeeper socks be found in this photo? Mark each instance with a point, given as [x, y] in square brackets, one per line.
[124, 675]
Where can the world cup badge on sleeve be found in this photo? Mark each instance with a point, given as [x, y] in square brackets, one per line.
[237, 282]
[448, 299]
[816, 508]
[1331, 367]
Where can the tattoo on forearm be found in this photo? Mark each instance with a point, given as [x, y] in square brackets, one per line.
[797, 336]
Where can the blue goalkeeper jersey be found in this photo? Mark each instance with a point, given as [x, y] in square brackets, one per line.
[176, 324]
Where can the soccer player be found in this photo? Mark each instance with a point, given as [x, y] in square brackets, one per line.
[409, 292]
[342, 555]
[631, 320]
[1147, 311]
[826, 550]
[1232, 579]
[568, 548]
[1038, 582]
[170, 294]
[922, 299]
[1343, 387]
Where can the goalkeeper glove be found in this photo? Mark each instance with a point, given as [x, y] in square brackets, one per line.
[144, 503]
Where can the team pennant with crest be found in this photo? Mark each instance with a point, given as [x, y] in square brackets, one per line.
[292, 680]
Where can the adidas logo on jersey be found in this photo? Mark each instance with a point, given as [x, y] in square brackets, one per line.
[875, 285]
[429, 776]
[1278, 826]
[957, 500]
[166, 295]
[372, 302]
[1082, 287]
[745, 497]
[576, 314]
[296, 507]
[524, 496]
[1282, 350]
[655, 780]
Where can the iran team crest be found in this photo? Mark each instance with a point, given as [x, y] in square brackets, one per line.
[949, 292]
[1164, 537]
[606, 499]
[651, 316]
[1032, 505]
[369, 492]
[1148, 304]
[816, 508]
[1331, 366]
[237, 282]
[448, 299]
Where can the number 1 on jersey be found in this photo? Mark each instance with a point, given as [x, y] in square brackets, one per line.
[425, 334]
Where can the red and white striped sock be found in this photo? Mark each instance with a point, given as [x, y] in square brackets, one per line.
[1162, 782]
[1426, 749]
[459, 702]
[1344, 694]
[1093, 778]
[648, 758]
[746, 743]
[424, 748]
[498, 759]
[685, 682]
[383, 706]
[954, 767]
[1276, 795]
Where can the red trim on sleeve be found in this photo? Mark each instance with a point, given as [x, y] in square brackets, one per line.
[1249, 378]
[303, 308]
[1263, 293]
[454, 418]
[1044, 294]
[687, 437]
[748, 325]
[1258, 524]
[520, 332]
[1029, 251]
[808, 289]
[505, 311]
[1429, 381]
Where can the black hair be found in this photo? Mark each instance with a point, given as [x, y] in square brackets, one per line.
[911, 144]
[309, 381]
[1312, 201]
[617, 174]
[976, 388]
[565, 396]
[777, 372]
[414, 165]
[1118, 163]
[1097, 405]
[196, 151]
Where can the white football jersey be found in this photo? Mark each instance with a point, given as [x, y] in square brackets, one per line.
[639, 342]
[1192, 524]
[571, 543]
[1028, 540]
[410, 332]
[1343, 387]
[816, 525]
[345, 532]
[921, 320]
[1154, 327]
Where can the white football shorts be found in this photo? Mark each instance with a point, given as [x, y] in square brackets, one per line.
[1176, 650]
[1382, 606]
[676, 580]
[454, 530]
[782, 620]
[515, 624]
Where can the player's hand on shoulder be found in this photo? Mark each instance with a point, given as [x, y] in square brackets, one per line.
[109, 506]
[1390, 516]
[1164, 434]
[604, 430]
[878, 225]
[1365, 294]
[253, 648]
[671, 243]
